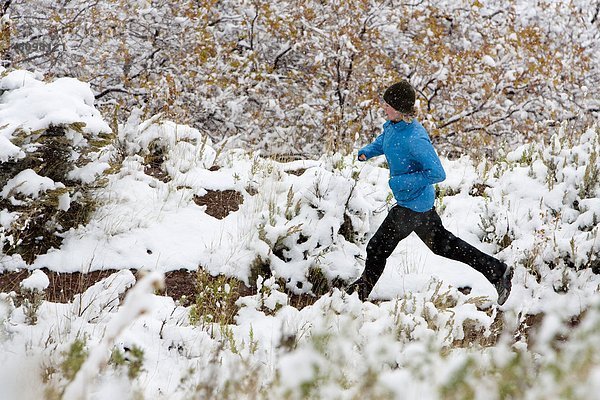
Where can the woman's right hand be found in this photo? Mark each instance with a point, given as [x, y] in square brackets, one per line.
[362, 157]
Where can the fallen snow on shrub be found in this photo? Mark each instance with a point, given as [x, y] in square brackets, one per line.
[30, 105]
[37, 281]
[28, 183]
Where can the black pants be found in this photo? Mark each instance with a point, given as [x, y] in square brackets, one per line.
[401, 221]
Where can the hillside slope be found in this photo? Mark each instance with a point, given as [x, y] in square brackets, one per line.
[285, 228]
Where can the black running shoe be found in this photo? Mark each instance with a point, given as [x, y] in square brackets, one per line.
[504, 285]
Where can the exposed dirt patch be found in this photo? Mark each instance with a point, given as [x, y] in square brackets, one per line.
[179, 284]
[296, 172]
[479, 189]
[157, 172]
[285, 158]
[63, 286]
[9, 281]
[219, 203]
[347, 229]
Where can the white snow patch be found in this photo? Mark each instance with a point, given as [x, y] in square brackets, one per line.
[489, 61]
[37, 281]
[29, 184]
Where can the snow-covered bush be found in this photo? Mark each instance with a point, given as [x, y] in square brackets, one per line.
[314, 223]
[300, 78]
[32, 294]
[215, 301]
[50, 137]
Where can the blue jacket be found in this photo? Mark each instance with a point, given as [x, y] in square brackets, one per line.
[414, 164]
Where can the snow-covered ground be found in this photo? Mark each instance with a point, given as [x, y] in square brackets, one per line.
[536, 209]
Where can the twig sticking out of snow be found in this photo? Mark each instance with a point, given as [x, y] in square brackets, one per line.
[137, 302]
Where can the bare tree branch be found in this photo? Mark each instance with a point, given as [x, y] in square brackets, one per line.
[279, 56]
[110, 90]
[5, 6]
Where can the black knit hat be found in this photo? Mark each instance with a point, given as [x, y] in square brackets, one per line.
[401, 97]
